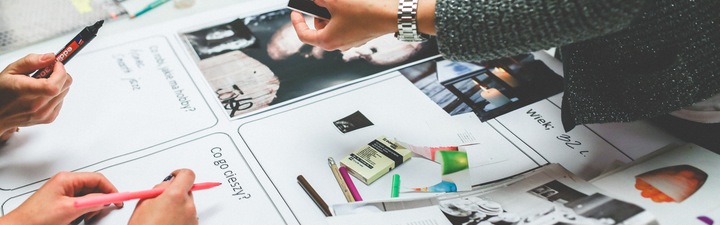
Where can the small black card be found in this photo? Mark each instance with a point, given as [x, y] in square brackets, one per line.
[352, 122]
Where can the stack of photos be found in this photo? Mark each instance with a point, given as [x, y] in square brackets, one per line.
[258, 61]
[550, 195]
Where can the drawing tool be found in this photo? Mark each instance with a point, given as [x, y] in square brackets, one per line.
[343, 187]
[105, 199]
[314, 195]
[350, 184]
[149, 7]
[395, 191]
[72, 48]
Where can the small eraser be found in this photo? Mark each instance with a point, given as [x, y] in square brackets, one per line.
[375, 159]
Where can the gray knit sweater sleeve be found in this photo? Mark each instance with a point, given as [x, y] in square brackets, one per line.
[489, 29]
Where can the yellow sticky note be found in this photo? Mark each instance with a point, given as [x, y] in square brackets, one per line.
[82, 6]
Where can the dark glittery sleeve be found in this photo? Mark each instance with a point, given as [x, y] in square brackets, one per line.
[490, 29]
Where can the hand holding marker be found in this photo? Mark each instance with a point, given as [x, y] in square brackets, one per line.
[72, 48]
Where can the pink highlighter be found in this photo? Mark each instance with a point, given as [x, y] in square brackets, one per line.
[350, 184]
[106, 199]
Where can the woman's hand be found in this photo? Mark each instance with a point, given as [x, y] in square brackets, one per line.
[175, 206]
[353, 23]
[53, 203]
[27, 101]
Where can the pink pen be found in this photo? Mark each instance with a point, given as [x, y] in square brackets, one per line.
[106, 199]
[350, 184]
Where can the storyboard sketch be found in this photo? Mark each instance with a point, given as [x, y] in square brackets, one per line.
[234, 96]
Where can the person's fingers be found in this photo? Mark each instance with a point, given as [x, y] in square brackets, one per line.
[91, 215]
[321, 3]
[55, 113]
[77, 220]
[90, 210]
[7, 134]
[60, 78]
[162, 185]
[68, 82]
[302, 29]
[48, 112]
[31, 63]
[182, 182]
[320, 23]
[83, 183]
[52, 86]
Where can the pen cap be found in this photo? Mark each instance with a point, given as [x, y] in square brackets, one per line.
[396, 181]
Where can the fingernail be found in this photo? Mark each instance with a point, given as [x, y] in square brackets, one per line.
[169, 177]
[47, 57]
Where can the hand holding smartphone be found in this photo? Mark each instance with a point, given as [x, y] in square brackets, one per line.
[310, 8]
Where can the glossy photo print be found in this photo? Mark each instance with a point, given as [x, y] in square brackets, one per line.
[488, 89]
[258, 61]
[550, 203]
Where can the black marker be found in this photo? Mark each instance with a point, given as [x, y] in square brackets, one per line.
[72, 48]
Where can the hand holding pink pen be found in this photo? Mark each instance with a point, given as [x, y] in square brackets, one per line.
[96, 200]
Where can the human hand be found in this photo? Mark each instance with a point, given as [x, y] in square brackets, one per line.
[175, 206]
[7, 134]
[53, 203]
[384, 50]
[353, 23]
[285, 42]
[26, 101]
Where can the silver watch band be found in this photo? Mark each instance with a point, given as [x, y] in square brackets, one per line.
[407, 22]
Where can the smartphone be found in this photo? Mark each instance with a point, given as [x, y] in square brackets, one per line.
[310, 8]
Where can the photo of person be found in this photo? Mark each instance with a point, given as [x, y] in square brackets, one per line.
[489, 89]
[258, 61]
[216, 40]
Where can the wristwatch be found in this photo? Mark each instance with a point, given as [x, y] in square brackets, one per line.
[407, 22]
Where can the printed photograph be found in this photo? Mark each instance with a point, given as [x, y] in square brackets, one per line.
[258, 61]
[488, 89]
[670, 184]
[547, 204]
